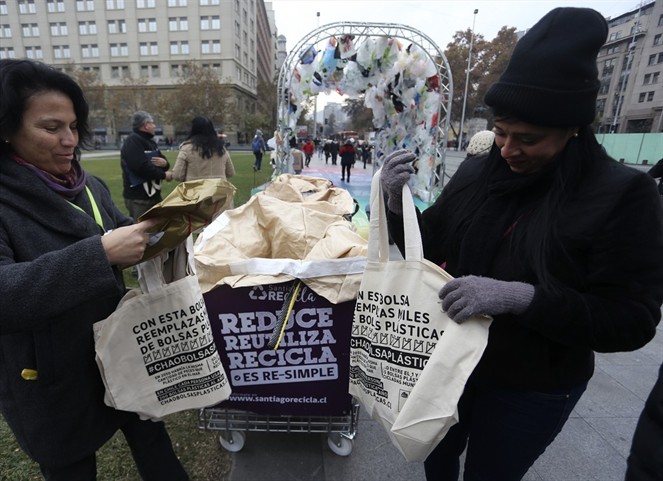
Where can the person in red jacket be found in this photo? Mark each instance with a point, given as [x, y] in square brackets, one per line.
[348, 154]
[308, 149]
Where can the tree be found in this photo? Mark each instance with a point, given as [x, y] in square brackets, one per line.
[489, 59]
[198, 91]
[361, 117]
[266, 103]
[123, 100]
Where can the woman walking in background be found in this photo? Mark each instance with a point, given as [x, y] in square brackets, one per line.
[348, 155]
[203, 154]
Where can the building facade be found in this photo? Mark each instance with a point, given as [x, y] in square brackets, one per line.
[149, 42]
[630, 67]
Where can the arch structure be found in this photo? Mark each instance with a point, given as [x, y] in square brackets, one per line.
[405, 80]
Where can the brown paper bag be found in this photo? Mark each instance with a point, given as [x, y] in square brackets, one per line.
[189, 207]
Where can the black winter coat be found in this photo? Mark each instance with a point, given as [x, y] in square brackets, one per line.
[608, 259]
[645, 462]
[55, 282]
[133, 158]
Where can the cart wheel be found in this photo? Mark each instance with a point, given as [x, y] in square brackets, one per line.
[340, 445]
[232, 441]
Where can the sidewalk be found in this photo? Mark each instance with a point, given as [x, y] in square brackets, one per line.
[593, 445]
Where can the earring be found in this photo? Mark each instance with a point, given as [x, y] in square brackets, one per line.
[575, 134]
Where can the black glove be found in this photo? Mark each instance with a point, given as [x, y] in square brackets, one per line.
[468, 296]
[396, 170]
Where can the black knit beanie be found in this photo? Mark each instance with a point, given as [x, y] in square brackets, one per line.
[552, 78]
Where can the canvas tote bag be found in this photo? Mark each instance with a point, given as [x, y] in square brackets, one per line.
[156, 353]
[408, 361]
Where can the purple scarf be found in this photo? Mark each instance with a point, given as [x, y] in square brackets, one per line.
[67, 185]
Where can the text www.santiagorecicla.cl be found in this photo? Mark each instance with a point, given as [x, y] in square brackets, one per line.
[256, 398]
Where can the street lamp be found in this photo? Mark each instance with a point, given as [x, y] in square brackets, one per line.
[467, 81]
[315, 98]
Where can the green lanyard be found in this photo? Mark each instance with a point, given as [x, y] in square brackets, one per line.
[95, 209]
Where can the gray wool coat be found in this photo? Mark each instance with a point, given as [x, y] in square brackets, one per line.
[55, 282]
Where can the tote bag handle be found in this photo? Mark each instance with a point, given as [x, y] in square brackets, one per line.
[378, 237]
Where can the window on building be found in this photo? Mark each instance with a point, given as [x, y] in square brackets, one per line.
[210, 23]
[614, 36]
[147, 25]
[120, 71]
[147, 71]
[613, 49]
[3, 7]
[214, 67]
[176, 24]
[660, 58]
[145, 3]
[238, 52]
[148, 48]
[115, 5]
[237, 29]
[180, 47]
[87, 28]
[209, 2]
[652, 60]
[94, 71]
[27, 6]
[657, 39]
[85, 5]
[34, 52]
[119, 50]
[660, 21]
[117, 26]
[30, 29]
[650, 96]
[177, 3]
[237, 6]
[61, 51]
[54, 6]
[654, 77]
[210, 46]
[90, 51]
[5, 31]
[7, 52]
[246, 58]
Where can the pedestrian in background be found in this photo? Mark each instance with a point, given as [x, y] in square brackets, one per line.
[203, 154]
[63, 243]
[480, 143]
[143, 166]
[308, 148]
[333, 151]
[555, 240]
[258, 147]
[348, 155]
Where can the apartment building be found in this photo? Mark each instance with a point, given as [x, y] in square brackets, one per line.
[630, 67]
[150, 40]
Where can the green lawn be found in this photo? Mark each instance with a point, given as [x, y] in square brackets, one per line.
[200, 452]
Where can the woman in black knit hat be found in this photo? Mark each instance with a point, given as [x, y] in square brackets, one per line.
[547, 234]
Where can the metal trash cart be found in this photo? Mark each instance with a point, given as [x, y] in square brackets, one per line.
[301, 387]
[234, 423]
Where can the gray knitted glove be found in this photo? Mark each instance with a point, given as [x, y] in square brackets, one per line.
[396, 171]
[468, 296]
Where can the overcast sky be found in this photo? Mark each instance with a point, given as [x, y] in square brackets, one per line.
[438, 19]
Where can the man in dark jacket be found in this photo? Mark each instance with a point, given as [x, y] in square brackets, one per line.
[143, 166]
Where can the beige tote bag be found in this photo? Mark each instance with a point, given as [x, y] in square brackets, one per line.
[408, 361]
[156, 353]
